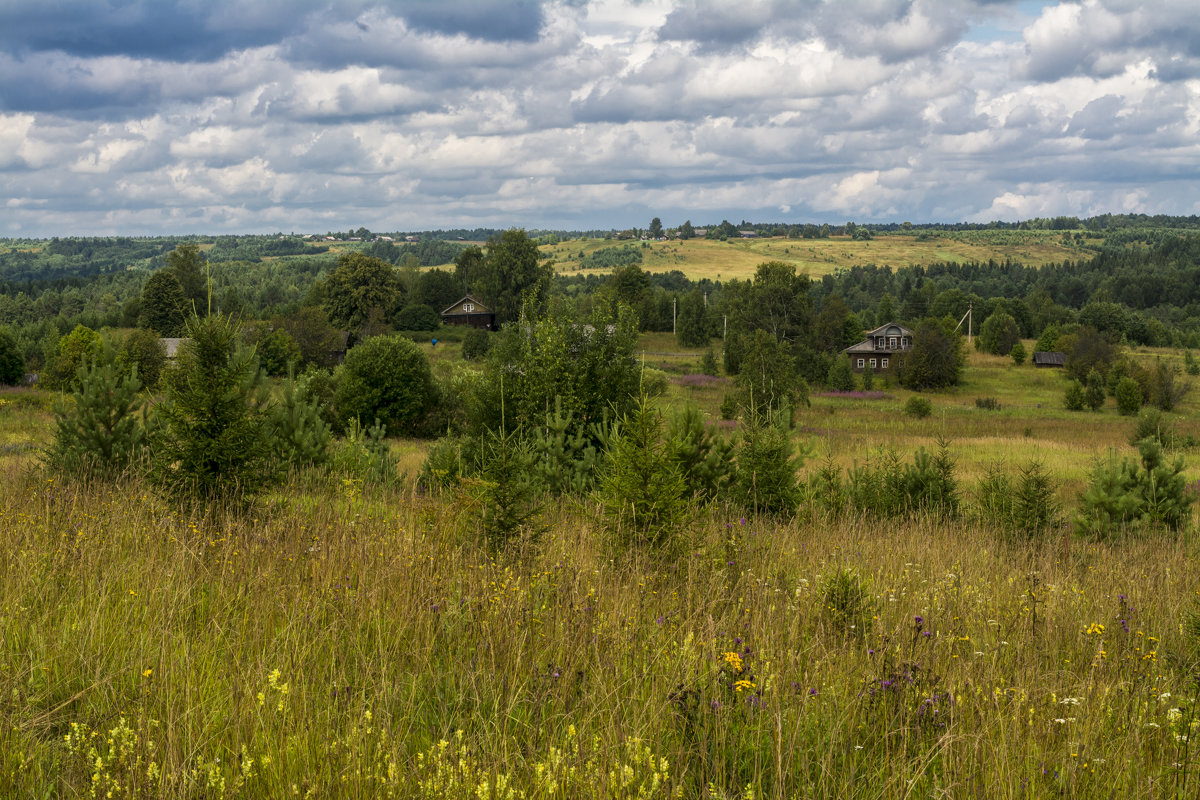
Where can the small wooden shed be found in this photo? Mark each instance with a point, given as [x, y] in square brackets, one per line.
[1049, 358]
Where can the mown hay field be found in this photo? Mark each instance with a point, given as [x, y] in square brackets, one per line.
[738, 259]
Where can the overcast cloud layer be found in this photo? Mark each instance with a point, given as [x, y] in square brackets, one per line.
[177, 116]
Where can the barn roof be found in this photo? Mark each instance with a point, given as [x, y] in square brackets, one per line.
[1049, 358]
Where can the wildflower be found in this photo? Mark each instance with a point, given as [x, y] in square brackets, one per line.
[147, 672]
[743, 686]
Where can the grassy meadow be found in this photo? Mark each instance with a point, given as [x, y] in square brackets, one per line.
[337, 638]
[738, 259]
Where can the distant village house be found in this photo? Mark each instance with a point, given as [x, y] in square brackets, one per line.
[880, 349]
[469, 311]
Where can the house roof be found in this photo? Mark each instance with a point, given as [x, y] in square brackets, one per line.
[862, 347]
[882, 330]
[1050, 357]
[480, 308]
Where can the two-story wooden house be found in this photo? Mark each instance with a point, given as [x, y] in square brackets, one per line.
[880, 349]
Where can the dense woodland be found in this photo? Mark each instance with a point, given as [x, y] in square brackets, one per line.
[1141, 285]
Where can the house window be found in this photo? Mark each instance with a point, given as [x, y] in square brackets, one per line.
[872, 363]
[885, 363]
[892, 343]
[468, 307]
[860, 363]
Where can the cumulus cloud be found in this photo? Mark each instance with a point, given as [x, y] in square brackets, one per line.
[167, 115]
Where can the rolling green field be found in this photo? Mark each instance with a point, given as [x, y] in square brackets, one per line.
[337, 638]
[702, 258]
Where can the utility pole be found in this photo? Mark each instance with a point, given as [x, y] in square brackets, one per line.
[673, 302]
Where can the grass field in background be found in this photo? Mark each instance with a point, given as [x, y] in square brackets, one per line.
[738, 259]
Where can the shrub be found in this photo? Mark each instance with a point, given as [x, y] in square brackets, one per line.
[654, 382]
[476, 344]
[767, 380]
[276, 350]
[73, 350]
[729, 407]
[588, 364]
[1190, 364]
[936, 358]
[708, 363]
[841, 375]
[210, 435]
[868, 378]
[418, 317]
[99, 434]
[987, 403]
[1129, 396]
[1151, 425]
[1165, 391]
[386, 378]
[1018, 354]
[1036, 509]
[1027, 507]
[443, 465]
[1073, 399]
[847, 602]
[142, 350]
[998, 334]
[918, 407]
[364, 454]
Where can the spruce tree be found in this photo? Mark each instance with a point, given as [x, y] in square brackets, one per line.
[210, 437]
[1093, 395]
[298, 434]
[98, 434]
[766, 468]
[642, 489]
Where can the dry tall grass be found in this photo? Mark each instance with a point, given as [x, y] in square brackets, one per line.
[338, 641]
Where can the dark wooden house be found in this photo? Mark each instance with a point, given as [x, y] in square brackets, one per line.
[880, 349]
[469, 311]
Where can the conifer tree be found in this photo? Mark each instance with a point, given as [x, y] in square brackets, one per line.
[1093, 395]
[298, 433]
[210, 435]
[642, 489]
[766, 467]
[99, 434]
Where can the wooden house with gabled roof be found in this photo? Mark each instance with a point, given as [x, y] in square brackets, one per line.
[880, 349]
[469, 311]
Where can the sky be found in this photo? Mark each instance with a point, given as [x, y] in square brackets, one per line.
[143, 117]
